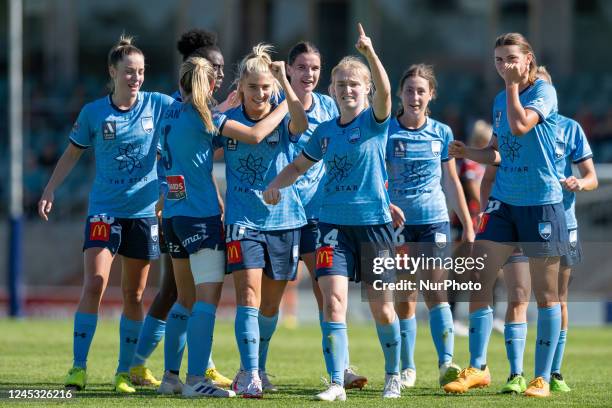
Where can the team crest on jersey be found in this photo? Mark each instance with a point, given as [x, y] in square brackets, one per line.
[573, 238]
[354, 135]
[324, 144]
[273, 138]
[545, 230]
[109, 130]
[440, 239]
[147, 124]
[232, 144]
[75, 127]
[399, 149]
[154, 232]
[436, 147]
[559, 149]
[498, 116]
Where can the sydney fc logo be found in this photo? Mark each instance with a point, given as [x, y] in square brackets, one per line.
[147, 124]
[324, 144]
[545, 230]
[273, 138]
[436, 148]
[354, 135]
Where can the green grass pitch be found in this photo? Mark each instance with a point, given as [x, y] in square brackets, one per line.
[36, 354]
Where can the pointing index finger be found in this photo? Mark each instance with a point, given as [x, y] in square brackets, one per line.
[360, 28]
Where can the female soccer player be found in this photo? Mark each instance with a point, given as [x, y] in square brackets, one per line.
[121, 220]
[304, 69]
[200, 43]
[525, 207]
[417, 158]
[572, 147]
[354, 219]
[262, 241]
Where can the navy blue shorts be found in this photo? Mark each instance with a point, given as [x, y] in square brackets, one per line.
[539, 230]
[574, 256]
[352, 251]
[276, 252]
[430, 240]
[309, 235]
[187, 235]
[131, 237]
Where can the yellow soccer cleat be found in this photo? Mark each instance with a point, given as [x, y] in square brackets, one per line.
[141, 375]
[538, 387]
[469, 378]
[76, 379]
[217, 378]
[122, 384]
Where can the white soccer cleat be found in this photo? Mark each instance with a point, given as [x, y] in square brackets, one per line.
[253, 388]
[408, 378]
[393, 386]
[266, 383]
[171, 384]
[460, 329]
[334, 392]
[240, 382]
[206, 389]
[353, 380]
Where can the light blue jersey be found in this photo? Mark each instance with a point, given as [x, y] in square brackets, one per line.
[249, 168]
[527, 174]
[187, 154]
[323, 108]
[354, 191]
[414, 163]
[125, 145]
[572, 147]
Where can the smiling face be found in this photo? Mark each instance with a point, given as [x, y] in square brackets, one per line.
[128, 75]
[256, 89]
[350, 90]
[305, 72]
[512, 54]
[416, 95]
[218, 63]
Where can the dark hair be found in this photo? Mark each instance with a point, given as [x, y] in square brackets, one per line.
[197, 43]
[121, 49]
[300, 48]
[524, 46]
[418, 70]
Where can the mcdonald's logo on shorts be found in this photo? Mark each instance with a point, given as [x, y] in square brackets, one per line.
[325, 257]
[402, 250]
[482, 226]
[99, 231]
[234, 252]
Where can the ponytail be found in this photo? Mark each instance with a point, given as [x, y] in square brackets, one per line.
[196, 75]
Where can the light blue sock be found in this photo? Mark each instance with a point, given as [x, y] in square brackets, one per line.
[326, 356]
[176, 337]
[84, 330]
[558, 359]
[408, 332]
[334, 344]
[151, 334]
[267, 326]
[128, 339]
[200, 328]
[442, 332]
[390, 341]
[515, 336]
[481, 324]
[246, 329]
[549, 328]
[210, 363]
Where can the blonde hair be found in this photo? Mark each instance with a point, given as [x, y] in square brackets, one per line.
[543, 73]
[195, 77]
[481, 134]
[524, 46]
[258, 61]
[354, 64]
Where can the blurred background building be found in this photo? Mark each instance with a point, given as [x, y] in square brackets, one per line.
[66, 43]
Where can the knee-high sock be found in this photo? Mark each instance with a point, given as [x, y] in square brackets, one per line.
[390, 341]
[549, 328]
[267, 327]
[442, 332]
[200, 328]
[408, 332]
[246, 329]
[84, 330]
[129, 330]
[515, 336]
[481, 323]
[150, 335]
[558, 359]
[334, 344]
[176, 337]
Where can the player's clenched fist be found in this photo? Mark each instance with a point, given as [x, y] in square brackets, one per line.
[272, 196]
[277, 68]
[457, 149]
